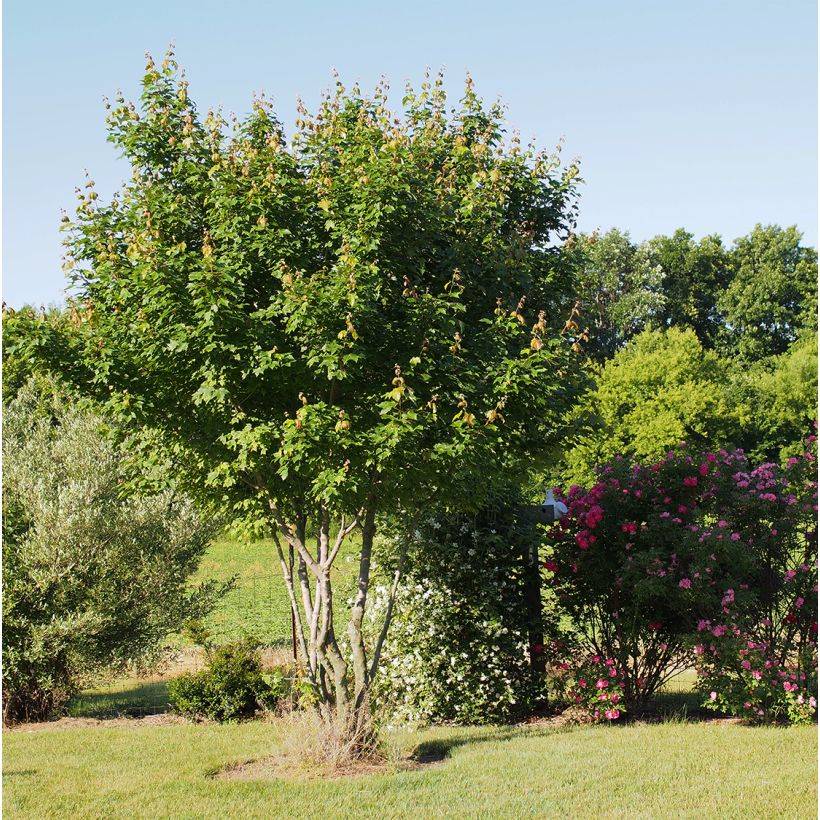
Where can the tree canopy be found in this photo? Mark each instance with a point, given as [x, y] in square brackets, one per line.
[316, 331]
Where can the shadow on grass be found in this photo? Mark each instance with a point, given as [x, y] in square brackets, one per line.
[438, 749]
[129, 700]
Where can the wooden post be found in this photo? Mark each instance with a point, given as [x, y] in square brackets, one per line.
[537, 513]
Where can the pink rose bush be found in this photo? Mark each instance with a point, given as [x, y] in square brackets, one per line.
[593, 684]
[760, 655]
[687, 562]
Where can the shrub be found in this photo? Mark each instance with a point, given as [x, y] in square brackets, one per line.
[643, 555]
[650, 556]
[232, 686]
[593, 684]
[759, 658]
[92, 581]
[458, 648]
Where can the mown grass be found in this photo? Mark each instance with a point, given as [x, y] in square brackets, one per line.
[639, 771]
[130, 696]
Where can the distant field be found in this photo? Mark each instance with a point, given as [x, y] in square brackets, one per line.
[257, 607]
[691, 770]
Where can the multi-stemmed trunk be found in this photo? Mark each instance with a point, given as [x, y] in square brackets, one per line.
[341, 681]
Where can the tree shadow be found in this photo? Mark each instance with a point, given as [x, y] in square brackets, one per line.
[436, 750]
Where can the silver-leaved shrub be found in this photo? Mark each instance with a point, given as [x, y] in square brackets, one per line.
[93, 580]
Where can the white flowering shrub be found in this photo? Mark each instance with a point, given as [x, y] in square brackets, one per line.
[92, 581]
[458, 647]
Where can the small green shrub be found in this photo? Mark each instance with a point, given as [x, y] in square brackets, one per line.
[231, 687]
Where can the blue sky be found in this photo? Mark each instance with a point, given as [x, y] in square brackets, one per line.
[700, 114]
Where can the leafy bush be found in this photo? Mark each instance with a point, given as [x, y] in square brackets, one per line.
[636, 562]
[92, 581]
[651, 555]
[232, 686]
[759, 658]
[458, 648]
[593, 684]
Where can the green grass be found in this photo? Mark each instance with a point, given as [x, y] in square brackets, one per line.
[638, 771]
[131, 697]
[258, 606]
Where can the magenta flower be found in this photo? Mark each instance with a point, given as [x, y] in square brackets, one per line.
[690, 481]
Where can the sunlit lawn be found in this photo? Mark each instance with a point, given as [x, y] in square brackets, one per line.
[258, 606]
[679, 769]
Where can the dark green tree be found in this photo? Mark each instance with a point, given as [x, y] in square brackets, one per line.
[619, 290]
[772, 295]
[695, 274]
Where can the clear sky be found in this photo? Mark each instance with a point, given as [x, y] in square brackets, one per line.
[699, 114]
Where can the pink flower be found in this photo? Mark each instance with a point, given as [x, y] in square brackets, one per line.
[713, 696]
[681, 508]
[601, 684]
[704, 469]
[728, 598]
[723, 524]
[719, 631]
[612, 714]
[735, 536]
[685, 583]
[594, 516]
[690, 481]
[582, 683]
[746, 665]
[799, 602]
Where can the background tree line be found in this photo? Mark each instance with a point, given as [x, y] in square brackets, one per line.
[694, 341]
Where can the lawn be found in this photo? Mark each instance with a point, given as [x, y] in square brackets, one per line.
[711, 769]
[674, 769]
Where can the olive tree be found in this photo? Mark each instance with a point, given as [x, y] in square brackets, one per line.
[93, 580]
[324, 330]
